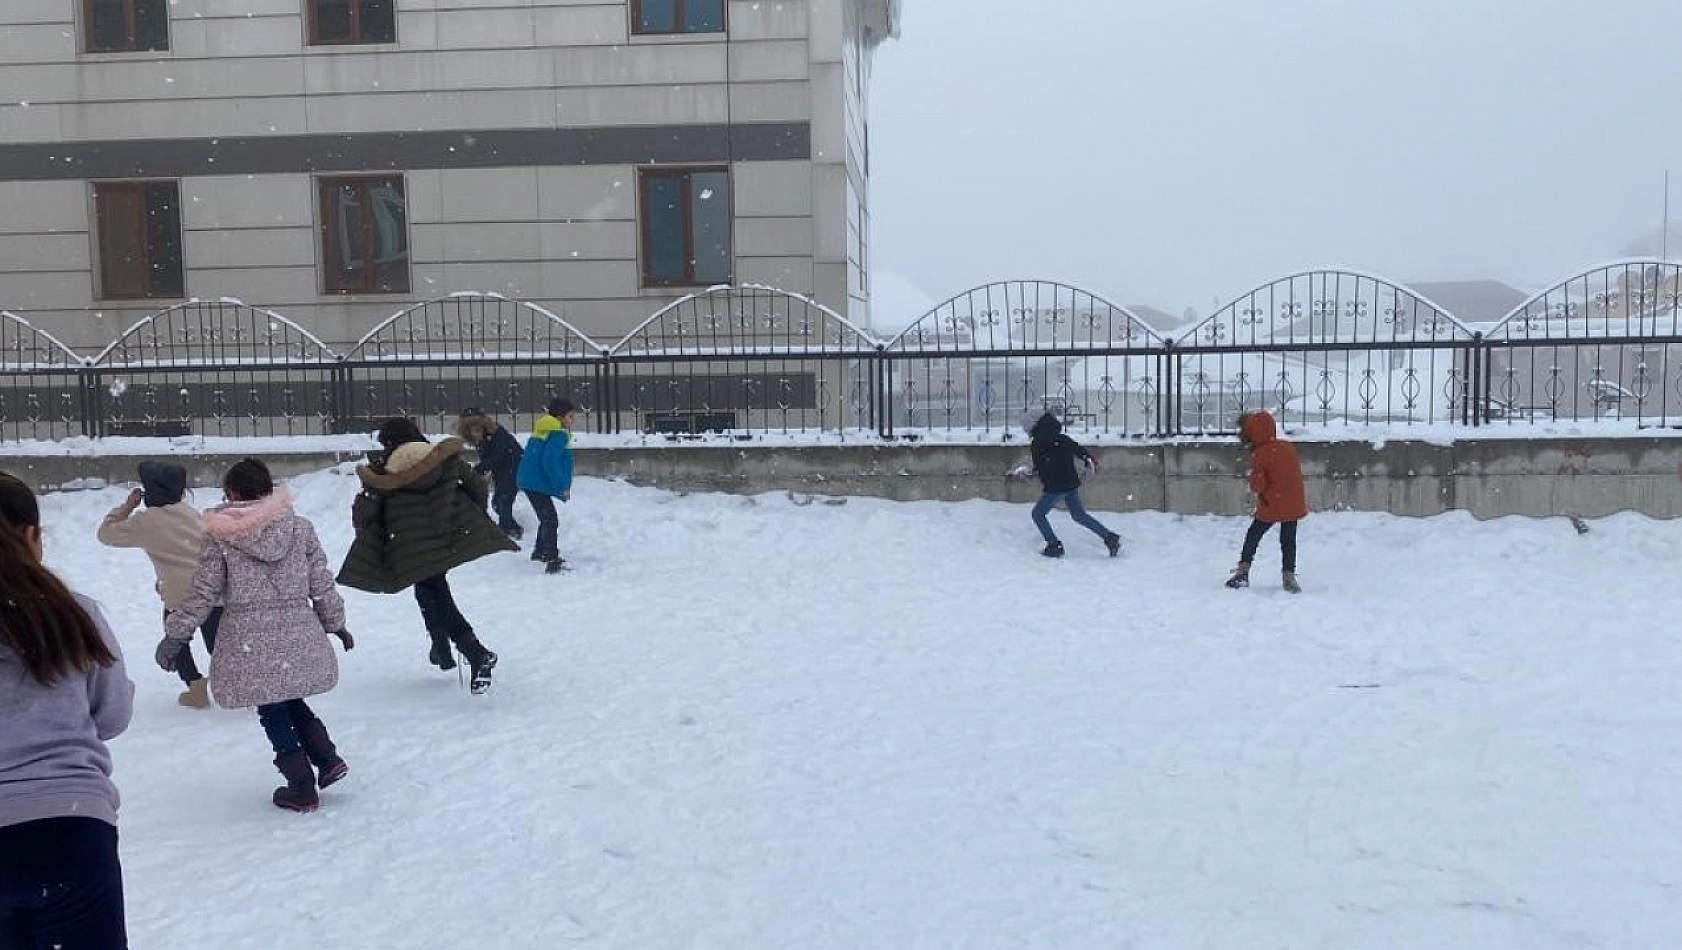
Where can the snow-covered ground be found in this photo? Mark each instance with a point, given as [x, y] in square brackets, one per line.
[756, 723]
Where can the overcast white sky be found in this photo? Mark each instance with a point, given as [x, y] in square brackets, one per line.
[1171, 152]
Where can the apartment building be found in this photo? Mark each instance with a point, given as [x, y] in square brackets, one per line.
[336, 160]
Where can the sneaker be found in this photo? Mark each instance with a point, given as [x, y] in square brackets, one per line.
[1288, 580]
[555, 565]
[1054, 549]
[1113, 542]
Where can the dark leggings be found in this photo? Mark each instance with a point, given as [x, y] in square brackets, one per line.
[61, 886]
[1287, 542]
[438, 608]
[184, 665]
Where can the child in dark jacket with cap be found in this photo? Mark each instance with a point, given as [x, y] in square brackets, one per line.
[499, 458]
[1054, 462]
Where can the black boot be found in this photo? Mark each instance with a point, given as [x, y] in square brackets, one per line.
[318, 745]
[480, 661]
[298, 794]
[1053, 549]
[1113, 542]
[441, 655]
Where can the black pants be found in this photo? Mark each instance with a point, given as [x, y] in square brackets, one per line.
[438, 608]
[502, 502]
[1287, 542]
[548, 546]
[61, 886]
[184, 665]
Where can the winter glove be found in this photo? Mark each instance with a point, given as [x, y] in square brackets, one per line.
[166, 654]
[345, 638]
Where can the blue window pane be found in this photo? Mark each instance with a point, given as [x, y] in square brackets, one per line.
[657, 16]
[709, 197]
[664, 254]
[703, 16]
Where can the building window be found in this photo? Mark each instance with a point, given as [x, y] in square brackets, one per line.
[125, 26]
[139, 225]
[348, 22]
[677, 16]
[364, 235]
[685, 226]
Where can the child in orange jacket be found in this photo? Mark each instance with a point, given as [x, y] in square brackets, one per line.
[1276, 481]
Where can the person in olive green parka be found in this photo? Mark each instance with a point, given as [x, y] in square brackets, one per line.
[421, 513]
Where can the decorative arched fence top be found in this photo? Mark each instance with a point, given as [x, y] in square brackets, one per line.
[25, 348]
[1026, 315]
[474, 326]
[207, 334]
[1632, 298]
[744, 320]
[1326, 307]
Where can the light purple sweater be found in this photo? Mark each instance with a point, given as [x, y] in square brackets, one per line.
[53, 760]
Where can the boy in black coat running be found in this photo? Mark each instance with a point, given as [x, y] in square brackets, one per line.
[1054, 462]
[499, 458]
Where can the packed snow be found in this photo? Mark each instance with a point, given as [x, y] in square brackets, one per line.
[776, 722]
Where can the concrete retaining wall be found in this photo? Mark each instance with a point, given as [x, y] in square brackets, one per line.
[1489, 478]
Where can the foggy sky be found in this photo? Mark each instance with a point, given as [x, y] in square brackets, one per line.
[1172, 152]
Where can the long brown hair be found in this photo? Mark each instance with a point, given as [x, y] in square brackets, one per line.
[39, 618]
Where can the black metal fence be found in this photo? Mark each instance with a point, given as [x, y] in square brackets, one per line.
[1319, 349]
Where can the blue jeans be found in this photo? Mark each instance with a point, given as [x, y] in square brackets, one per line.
[1077, 511]
[61, 885]
[548, 544]
[281, 721]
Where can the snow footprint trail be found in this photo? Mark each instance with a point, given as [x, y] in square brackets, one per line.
[749, 722]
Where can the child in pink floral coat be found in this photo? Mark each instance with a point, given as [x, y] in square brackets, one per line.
[264, 564]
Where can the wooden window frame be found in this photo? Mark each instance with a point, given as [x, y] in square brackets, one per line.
[645, 234]
[143, 266]
[326, 188]
[132, 21]
[313, 16]
[677, 17]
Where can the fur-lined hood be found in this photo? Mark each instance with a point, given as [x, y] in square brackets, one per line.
[466, 424]
[251, 526]
[409, 463]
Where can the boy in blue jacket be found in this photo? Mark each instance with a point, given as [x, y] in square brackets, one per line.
[546, 474]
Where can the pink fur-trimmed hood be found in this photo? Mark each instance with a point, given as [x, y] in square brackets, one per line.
[255, 527]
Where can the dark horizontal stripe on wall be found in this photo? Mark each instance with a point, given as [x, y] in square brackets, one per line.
[410, 151]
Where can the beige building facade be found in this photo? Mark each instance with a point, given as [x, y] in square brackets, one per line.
[338, 160]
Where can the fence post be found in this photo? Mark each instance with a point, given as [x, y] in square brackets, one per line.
[1479, 380]
[343, 390]
[1168, 404]
[884, 398]
[607, 397]
[90, 403]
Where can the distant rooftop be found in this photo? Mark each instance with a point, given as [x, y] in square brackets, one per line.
[1471, 301]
